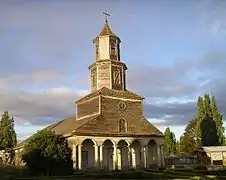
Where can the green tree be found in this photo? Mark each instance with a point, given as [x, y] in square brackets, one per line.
[209, 128]
[7, 133]
[209, 132]
[170, 146]
[197, 121]
[219, 122]
[207, 105]
[188, 141]
[206, 129]
[47, 153]
[178, 147]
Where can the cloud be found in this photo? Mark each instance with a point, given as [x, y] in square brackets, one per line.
[212, 15]
[171, 92]
[41, 108]
[39, 97]
[30, 78]
[167, 82]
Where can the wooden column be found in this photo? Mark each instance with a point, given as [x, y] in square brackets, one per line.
[144, 156]
[134, 158]
[159, 155]
[101, 156]
[115, 154]
[129, 157]
[79, 157]
[74, 158]
[96, 158]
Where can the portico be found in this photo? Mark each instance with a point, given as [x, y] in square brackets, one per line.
[116, 153]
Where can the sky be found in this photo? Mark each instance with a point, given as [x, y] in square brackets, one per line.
[175, 51]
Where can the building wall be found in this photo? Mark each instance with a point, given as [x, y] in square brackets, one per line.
[131, 114]
[88, 107]
[103, 74]
[104, 48]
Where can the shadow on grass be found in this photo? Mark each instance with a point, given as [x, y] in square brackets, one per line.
[13, 173]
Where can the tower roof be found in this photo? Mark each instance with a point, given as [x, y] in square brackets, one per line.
[106, 30]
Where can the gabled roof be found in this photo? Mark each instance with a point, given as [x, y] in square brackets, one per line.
[112, 92]
[63, 127]
[106, 126]
[99, 125]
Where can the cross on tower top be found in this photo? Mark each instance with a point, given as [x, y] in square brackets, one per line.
[106, 16]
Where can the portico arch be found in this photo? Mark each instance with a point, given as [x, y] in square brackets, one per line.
[136, 154]
[88, 153]
[152, 157]
[108, 152]
[123, 154]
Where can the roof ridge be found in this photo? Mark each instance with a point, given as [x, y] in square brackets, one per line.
[57, 123]
[153, 126]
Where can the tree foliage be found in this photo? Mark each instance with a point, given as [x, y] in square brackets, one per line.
[170, 143]
[211, 123]
[216, 115]
[7, 133]
[47, 153]
[209, 132]
[206, 129]
[188, 141]
[199, 117]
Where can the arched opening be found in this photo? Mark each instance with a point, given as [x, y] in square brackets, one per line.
[117, 76]
[93, 77]
[108, 154]
[152, 158]
[97, 49]
[122, 125]
[123, 155]
[88, 154]
[136, 154]
[113, 48]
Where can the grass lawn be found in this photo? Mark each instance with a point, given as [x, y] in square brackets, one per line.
[167, 174]
[11, 173]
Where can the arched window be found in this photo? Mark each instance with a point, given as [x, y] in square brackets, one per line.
[117, 77]
[113, 48]
[122, 125]
[97, 49]
[93, 77]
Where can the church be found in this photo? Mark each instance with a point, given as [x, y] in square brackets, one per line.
[109, 131]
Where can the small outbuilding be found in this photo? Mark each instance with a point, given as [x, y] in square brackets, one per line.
[212, 155]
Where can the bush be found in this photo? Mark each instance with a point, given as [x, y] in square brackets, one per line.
[200, 167]
[48, 154]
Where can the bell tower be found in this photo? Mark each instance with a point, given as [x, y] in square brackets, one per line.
[107, 45]
[107, 69]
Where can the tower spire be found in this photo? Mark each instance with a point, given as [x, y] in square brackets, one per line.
[106, 16]
[107, 70]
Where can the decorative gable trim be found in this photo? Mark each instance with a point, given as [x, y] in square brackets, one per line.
[91, 115]
[124, 99]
